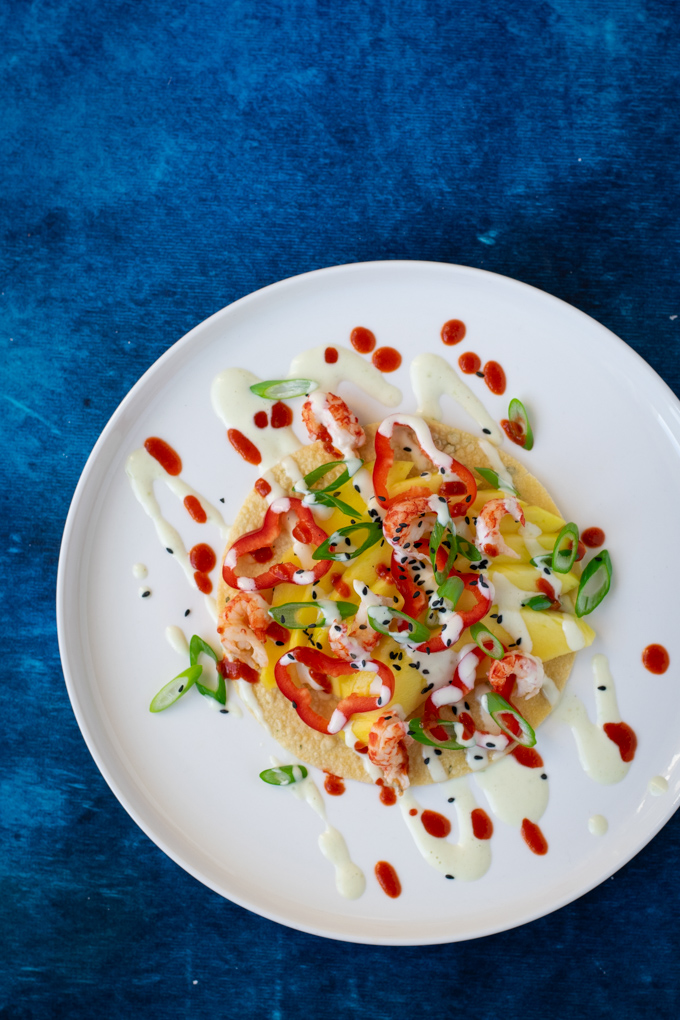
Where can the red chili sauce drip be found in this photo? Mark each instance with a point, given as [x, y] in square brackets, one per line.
[362, 340]
[413, 811]
[302, 533]
[624, 738]
[161, 451]
[469, 363]
[244, 447]
[203, 582]
[386, 359]
[262, 555]
[545, 587]
[656, 659]
[330, 355]
[384, 573]
[581, 551]
[333, 785]
[387, 796]
[195, 509]
[593, 537]
[261, 419]
[281, 415]
[435, 824]
[534, 838]
[513, 431]
[453, 332]
[263, 487]
[202, 558]
[527, 756]
[361, 748]
[340, 586]
[237, 670]
[494, 377]
[482, 826]
[388, 879]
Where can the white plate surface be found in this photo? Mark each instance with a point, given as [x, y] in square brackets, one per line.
[605, 425]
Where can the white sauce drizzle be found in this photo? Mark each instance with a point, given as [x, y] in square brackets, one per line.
[432, 377]
[658, 785]
[177, 640]
[139, 571]
[349, 879]
[237, 406]
[514, 791]
[350, 367]
[509, 600]
[599, 756]
[598, 825]
[466, 860]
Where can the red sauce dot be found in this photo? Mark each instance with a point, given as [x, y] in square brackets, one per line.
[581, 551]
[388, 879]
[453, 332]
[330, 355]
[302, 532]
[340, 586]
[261, 419]
[435, 824]
[386, 359]
[513, 431]
[528, 757]
[244, 447]
[656, 659]
[469, 363]
[593, 537]
[333, 785]
[161, 451]
[413, 811]
[203, 582]
[202, 558]
[262, 555]
[482, 826]
[384, 573]
[534, 838]
[494, 377]
[263, 487]
[360, 748]
[195, 509]
[624, 738]
[362, 340]
[281, 415]
[387, 796]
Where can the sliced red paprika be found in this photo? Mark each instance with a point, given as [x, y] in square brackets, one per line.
[482, 597]
[265, 536]
[322, 667]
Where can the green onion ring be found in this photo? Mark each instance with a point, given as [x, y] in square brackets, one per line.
[595, 583]
[374, 535]
[565, 549]
[284, 775]
[283, 389]
[288, 614]
[416, 633]
[416, 730]
[496, 707]
[494, 479]
[481, 634]
[176, 689]
[518, 415]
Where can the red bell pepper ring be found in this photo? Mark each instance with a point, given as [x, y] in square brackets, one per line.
[322, 667]
[432, 712]
[306, 528]
[384, 458]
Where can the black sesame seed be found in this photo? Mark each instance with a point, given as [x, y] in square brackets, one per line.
[168, 550]
[381, 498]
[468, 499]
[478, 757]
[449, 876]
[224, 711]
[467, 705]
[294, 704]
[397, 667]
[451, 800]
[480, 374]
[427, 671]
[499, 618]
[280, 643]
[181, 688]
[426, 761]
[222, 501]
[487, 431]
[395, 598]
[519, 641]
[467, 520]
[145, 594]
[543, 775]
[186, 612]
[437, 751]
[602, 688]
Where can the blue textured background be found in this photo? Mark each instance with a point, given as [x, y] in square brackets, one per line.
[160, 160]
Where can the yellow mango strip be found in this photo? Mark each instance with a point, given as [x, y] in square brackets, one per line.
[546, 630]
[431, 482]
[524, 576]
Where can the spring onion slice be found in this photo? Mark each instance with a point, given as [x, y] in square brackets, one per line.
[540, 562]
[416, 730]
[282, 389]
[220, 694]
[595, 582]
[468, 550]
[497, 707]
[284, 775]
[537, 603]
[380, 618]
[518, 416]
[198, 645]
[351, 467]
[565, 549]
[443, 534]
[177, 687]
[339, 537]
[483, 637]
[325, 499]
[289, 614]
[451, 590]
[494, 479]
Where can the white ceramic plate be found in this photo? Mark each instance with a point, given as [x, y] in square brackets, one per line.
[607, 447]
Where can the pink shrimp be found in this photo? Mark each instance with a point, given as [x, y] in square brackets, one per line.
[242, 627]
[409, 522]
[527, 670]
[357, 639]
[329, 419]
[387, 749]
[489, 539]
